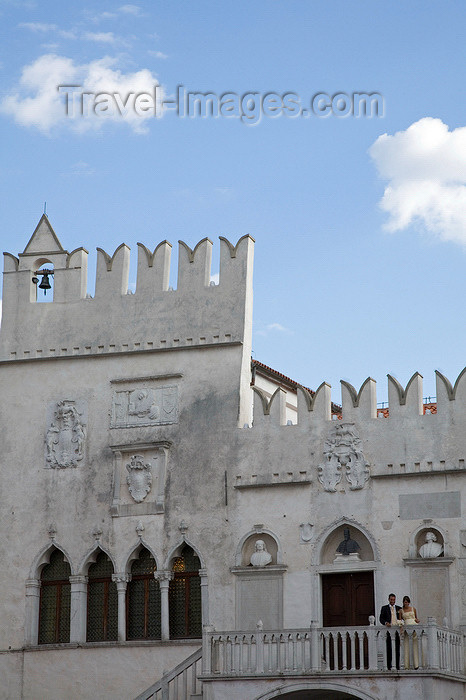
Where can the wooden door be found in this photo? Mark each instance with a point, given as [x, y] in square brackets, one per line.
[347, 599]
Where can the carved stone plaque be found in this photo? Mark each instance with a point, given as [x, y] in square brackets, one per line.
[65, 436]
[145, 406]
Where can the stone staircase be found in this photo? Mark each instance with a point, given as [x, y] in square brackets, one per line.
[179, 684]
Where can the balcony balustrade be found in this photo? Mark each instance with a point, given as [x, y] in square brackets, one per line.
[332, 650]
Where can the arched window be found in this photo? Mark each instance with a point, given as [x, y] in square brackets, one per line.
[143, 600]
[55, 597]
[102, 602]
[185, 596]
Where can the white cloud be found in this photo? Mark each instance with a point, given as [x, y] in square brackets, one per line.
[277, 327]
[158, 54]
[265, 330]
[426, 171]
[130, 10]
[36, 101]
[38, 26]
[101, 37]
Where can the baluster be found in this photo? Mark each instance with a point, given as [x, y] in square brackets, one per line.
[341, 640]
[361, 650]
[294, 651]
[259, 653]
[314, 647]
[185, 683]
[240, 651]
[249, 653]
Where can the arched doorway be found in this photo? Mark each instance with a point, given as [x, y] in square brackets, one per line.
[306, 691]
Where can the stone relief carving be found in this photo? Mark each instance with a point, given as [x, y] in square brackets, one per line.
[305, 532]
[65, 438]
[343, 454]
[145, 406]
[139, 478]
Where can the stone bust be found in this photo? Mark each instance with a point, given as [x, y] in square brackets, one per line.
[260, 556]
[347, 546]
[431, 549]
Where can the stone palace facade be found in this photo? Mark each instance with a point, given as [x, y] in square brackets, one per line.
[179, 523]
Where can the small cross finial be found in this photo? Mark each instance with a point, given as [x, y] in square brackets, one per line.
[45, 208]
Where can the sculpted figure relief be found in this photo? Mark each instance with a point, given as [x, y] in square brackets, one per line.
[66, 436]
[431, 549]
[343, 454]
[260, 557]
[144, 406]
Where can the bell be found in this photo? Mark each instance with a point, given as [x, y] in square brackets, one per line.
[45, 284]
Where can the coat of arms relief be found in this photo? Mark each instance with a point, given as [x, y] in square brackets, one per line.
[65, 437]
[139, 478]
[343, 456]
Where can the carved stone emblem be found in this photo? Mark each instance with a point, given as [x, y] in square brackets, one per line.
[305, 532]
[65, 437]
[144, 406]
[139, 478]
[343, 454]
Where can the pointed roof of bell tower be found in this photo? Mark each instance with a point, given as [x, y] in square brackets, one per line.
[44, 239]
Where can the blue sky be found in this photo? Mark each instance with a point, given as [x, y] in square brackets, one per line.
[360, 238]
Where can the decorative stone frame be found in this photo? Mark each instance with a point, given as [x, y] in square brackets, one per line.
[250, 579]
[33, 585]
[417, 539]
[243, 552]
[123, 504]
[319, 567]
[173, 553]
[435, 568]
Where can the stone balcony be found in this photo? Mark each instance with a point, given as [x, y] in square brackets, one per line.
[332, 662]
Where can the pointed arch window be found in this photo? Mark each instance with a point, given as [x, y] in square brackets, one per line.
[102, 601]
[143, 600]
[55, 599]
[185, 612]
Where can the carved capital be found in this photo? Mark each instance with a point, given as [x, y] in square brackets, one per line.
[33, 586]
[121, 580]
[202, 573]
[78, 579]
[163, 577]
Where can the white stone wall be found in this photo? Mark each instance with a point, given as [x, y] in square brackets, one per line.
[295, 486]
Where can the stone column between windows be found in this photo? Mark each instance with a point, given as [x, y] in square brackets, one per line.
[31, 632]
[204, 596]
[164, 578]
[121, 581]
[78, 611]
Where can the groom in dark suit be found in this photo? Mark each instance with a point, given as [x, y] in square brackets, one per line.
[388, 617]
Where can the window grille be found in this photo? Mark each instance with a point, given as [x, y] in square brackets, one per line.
[102, 602]
[185, 596]
[143, 600]
[55, 600]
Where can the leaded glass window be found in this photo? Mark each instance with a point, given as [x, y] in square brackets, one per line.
[102, 602]
[185, 596]
[55, 599]
[143, 600]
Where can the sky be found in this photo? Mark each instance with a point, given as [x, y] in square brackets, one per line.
[359, 219]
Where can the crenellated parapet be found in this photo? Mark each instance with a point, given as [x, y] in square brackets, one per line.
[408, 438]
[197, 313]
